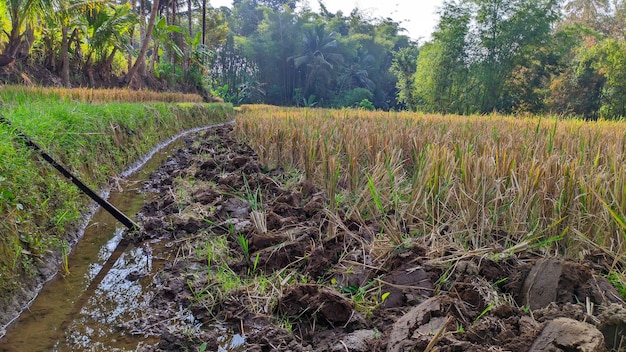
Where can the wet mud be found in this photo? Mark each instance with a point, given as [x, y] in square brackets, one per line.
[332, 286]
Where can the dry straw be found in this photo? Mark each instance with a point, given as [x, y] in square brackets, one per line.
[108, 95]
[556, 186]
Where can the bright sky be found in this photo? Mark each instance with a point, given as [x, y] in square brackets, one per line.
[418, 17]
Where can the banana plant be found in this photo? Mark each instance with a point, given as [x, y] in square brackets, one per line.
[198, 53]
[161, 38]
[22, 15]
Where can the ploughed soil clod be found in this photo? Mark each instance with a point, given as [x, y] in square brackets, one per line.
[311, 279]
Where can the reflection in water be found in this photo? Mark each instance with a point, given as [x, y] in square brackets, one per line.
[235, 343]
[117, 299]
[106, 250]
[72, 315]
[103, 254]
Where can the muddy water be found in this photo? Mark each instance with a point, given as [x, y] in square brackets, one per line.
[107, 281]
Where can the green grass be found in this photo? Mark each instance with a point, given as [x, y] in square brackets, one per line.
[95, 141]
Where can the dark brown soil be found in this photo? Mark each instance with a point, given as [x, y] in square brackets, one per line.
[336, 286]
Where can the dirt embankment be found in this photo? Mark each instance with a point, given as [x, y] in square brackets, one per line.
[259, 250]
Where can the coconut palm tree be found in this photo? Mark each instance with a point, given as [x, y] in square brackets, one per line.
[356, 74]
[107, 32]
[22, 13]
[318, 58]
[141, 58]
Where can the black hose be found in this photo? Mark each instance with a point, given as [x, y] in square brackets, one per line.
[121, 217]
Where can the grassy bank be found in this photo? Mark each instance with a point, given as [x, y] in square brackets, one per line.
[480, 184]
[95, 140]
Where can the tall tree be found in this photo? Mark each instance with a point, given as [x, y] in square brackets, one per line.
[576, 88]
[536, 59]
[355, 74]
[203, 22]
[618, 29]
[280, 35]
[442, 70]
[318, 59]
[61, 18]
[592, 13]
[247, 16]
[609, 59]
[22, 13]
[404, 67]
[278, 5]
[141, 58]
[503, 29]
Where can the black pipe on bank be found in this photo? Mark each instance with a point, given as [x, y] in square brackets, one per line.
[121, 217]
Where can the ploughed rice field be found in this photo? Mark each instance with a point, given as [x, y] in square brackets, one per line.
[350, 230]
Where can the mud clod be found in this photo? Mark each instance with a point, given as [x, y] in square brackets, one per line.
[317, 302]
[613, 326]
[564, 334]
[557, 280]
[415, 329]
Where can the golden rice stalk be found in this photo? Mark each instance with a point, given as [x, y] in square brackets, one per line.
[473, 182]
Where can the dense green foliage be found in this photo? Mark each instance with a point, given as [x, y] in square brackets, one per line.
[96, 43]
[281, 56]
[524, 56]
[531, 56]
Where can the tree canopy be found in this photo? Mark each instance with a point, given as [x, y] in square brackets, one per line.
[537, 56]
[524, 56]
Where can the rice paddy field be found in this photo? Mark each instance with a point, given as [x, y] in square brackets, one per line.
[481, 184]
[352, 230]
[330, 230]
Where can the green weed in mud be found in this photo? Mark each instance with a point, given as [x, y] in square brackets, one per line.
[95, 141]
[619, 281]
[256, 290]
[286, 324]
[484, 312]
[255, 200]
[367, 298]
[65, 252]
[243, 243]
[213, 250]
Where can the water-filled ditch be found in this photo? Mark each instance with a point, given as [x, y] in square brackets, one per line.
[106, 283]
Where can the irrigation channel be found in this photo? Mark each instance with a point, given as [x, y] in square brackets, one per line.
[84, 308]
